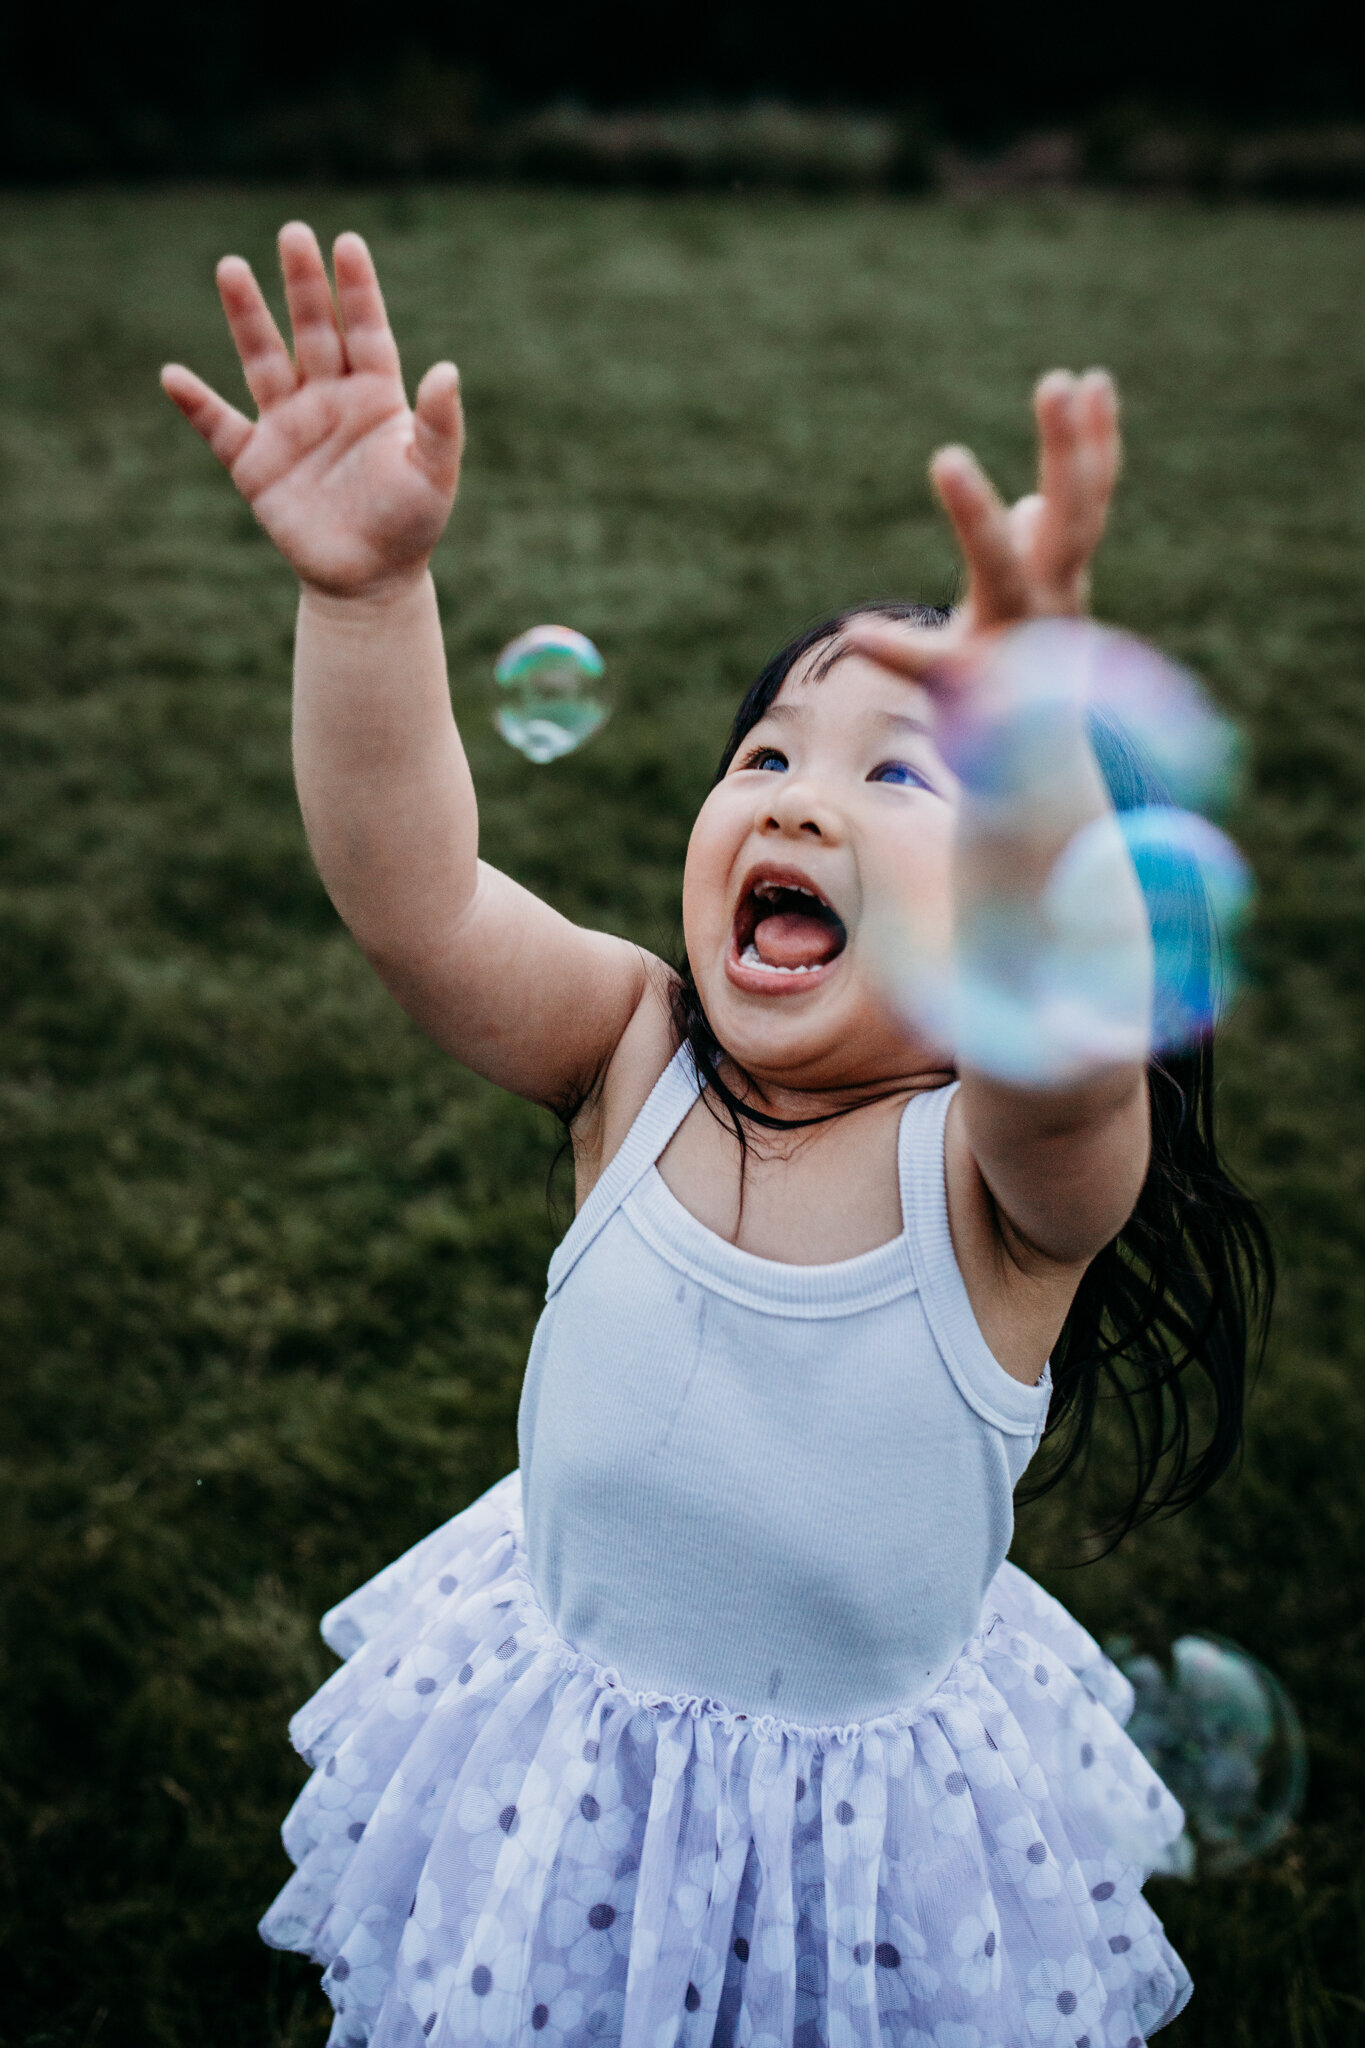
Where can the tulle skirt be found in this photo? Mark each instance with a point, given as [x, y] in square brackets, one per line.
[501, 1842]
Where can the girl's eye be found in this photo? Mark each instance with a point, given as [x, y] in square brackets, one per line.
[768, 757]
[903, 775]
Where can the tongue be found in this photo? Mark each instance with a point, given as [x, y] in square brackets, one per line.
[790, 939]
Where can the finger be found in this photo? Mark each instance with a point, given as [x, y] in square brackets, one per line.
[318, 347]
[1057, 412]
[998, 587]
[1024, 516]
[915, 653]
[369, 339]
[266, 362]
[226, 430]
[1078, 419]
[438, 426]
[1074, 480]
[1099, 402]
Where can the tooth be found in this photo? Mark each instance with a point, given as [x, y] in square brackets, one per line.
[751, 957]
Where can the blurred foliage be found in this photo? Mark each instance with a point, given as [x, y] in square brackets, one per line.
[269, 1264]
[154, 86]
[422, 119]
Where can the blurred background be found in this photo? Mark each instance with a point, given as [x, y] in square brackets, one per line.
[718, 279]
[1207, 97]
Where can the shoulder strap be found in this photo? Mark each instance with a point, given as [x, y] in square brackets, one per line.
[1006, 1403]
[672, 1095]
[919, 1155]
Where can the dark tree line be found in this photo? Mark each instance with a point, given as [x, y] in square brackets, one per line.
[157, 82]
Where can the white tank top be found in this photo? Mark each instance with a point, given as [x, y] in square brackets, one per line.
[781, 1488]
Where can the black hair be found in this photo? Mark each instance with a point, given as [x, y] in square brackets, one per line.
[1184, 1288]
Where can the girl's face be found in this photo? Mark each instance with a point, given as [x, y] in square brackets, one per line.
[836, 804]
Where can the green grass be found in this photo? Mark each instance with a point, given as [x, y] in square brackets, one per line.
[269, 1265]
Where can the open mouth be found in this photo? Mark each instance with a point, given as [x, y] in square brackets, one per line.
[783, 926]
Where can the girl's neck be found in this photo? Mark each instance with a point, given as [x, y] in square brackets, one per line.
[772, 1103]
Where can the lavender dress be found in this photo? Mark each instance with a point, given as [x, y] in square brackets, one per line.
[724, 1720]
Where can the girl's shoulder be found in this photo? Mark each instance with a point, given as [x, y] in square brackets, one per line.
[599, 1125]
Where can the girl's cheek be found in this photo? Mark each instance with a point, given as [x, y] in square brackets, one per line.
[705, 876]
[914, 862]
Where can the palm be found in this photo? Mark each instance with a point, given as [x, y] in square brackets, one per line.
[352, 485]
[329, 473]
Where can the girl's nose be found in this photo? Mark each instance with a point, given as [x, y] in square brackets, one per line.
[795, 808]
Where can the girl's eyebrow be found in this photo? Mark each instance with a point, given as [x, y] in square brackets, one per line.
[904, 722]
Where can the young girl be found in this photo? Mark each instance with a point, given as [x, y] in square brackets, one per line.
[725, 1720]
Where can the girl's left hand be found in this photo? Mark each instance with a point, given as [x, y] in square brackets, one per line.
[1030, 560]
[352, 484]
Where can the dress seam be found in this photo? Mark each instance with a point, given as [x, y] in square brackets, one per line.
[701, 1706]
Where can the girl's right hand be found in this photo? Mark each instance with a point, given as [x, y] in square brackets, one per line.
[1029, 560]
[353, 486]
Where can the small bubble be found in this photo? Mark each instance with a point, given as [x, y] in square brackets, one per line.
[1224, 1736]
[551, 692]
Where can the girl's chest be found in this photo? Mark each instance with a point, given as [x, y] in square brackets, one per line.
[809, 1199]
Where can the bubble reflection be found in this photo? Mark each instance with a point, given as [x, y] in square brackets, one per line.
[1223, 1734]
[551, 692]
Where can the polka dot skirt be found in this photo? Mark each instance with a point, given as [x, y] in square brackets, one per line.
[500, 1842]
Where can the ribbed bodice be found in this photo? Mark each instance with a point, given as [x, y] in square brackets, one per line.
[785, 1488]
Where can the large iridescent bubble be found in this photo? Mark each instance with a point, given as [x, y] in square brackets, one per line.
[1112, 941]
[551, 692]
[1223, 1734]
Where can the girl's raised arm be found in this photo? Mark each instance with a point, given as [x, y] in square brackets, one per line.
[1052, 1173]
[354, 487]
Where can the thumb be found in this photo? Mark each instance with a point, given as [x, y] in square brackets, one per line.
[438, 426]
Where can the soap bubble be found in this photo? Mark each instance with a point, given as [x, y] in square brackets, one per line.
[1045, 987]
[1037, 988]
[1165, 717]
[1197, 889]
[1120, 943]
[1158, 736]
[551, 692]
[1222, 1733]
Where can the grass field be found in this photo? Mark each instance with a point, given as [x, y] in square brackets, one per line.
[269, 1265]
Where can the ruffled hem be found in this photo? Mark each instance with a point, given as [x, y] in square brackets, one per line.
[501, 1842]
